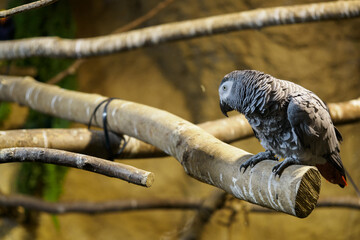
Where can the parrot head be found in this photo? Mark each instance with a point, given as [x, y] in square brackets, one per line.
[239, 89]
[229, 91]
[225, 93]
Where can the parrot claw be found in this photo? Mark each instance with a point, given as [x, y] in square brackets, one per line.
[267, 155]
[279, 168]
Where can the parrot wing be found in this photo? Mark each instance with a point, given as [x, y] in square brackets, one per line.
[312, 125]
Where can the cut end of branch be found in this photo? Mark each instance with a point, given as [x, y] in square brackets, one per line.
[308, 193]
[149, 179]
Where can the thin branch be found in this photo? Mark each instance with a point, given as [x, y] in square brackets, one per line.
[80, 161]
[80, 140]
[254, 19]
[72, 69]
[32, 203]
[25, 7]
[75, 65]
[150, 14]
[338, 202]
[210, 205]
[111, 206]
[202, 156]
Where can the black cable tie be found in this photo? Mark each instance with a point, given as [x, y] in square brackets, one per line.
[111, 155]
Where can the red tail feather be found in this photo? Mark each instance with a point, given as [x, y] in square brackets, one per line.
[333, 175]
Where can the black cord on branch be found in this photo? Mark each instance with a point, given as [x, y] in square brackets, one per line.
[111, 155]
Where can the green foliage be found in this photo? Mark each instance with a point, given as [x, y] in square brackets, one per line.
[5, 110]
[53, 180]
[53, 20]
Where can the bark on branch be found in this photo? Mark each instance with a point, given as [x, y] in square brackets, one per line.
[202, 156]
[25, 7]
[84, 162]
[254, 19]
[210, 205]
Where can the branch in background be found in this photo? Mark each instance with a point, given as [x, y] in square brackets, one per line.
[80, 161]
[210, 205]
[25, 7]
[202, 156]
[254, 19]
[75, 65]
[33, 203]
[91, 142]
[80, 140]
[150, 14]
[338, 202]
[345, 112]
[68, 71]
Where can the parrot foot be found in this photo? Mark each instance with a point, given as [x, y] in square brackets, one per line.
[279, 168]
[267, 155]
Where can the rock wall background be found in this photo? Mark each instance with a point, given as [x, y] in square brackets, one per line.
[182, 78]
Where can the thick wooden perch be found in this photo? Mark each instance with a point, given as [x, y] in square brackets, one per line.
[254, 19]
[202, 156]
[84, 162]
[25, 7]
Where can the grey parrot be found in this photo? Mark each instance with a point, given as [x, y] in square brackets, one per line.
[290, 121]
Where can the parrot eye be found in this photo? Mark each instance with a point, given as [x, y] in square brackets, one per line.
[224, 88]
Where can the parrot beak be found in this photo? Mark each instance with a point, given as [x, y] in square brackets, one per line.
[225, 108]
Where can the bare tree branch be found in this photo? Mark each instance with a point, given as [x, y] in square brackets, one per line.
[80, 161]
[210, 205]
[25, 7]
[32, 203]
[68, 71]
[254, 19]
[80, 140]
[83, 207]
[345, 112]
[202, 156]
[333, 202]
[75, 65]
[150, 14]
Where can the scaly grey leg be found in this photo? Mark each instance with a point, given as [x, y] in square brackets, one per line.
[267, 155]
[279, 168]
